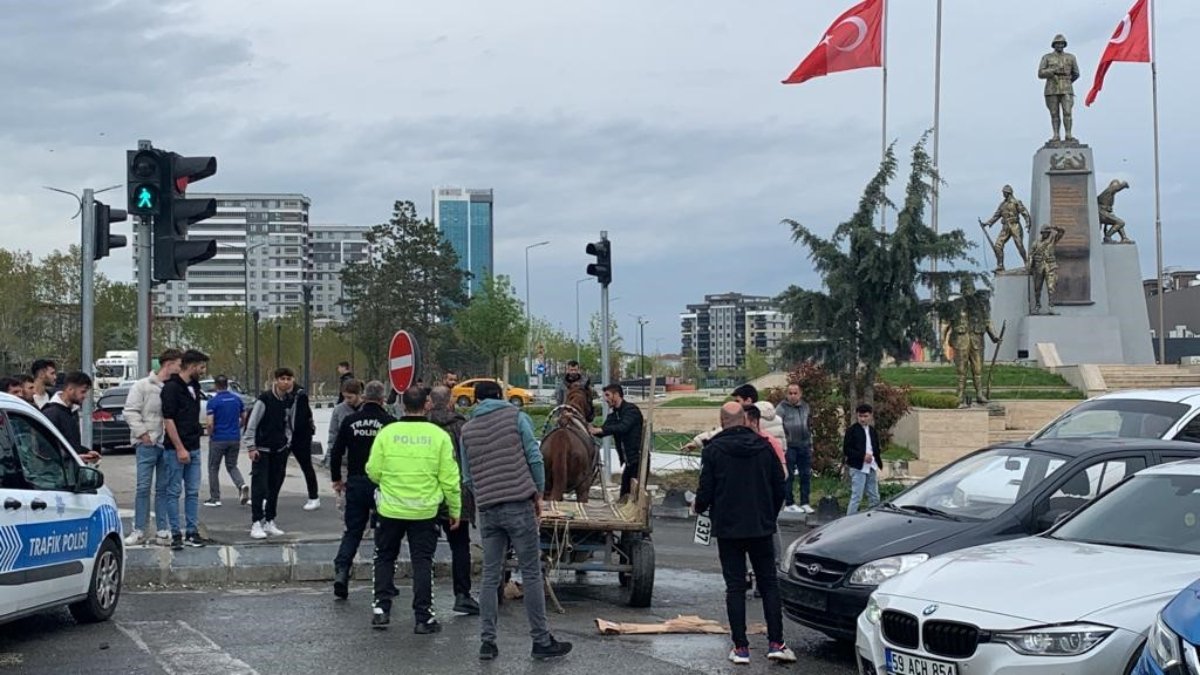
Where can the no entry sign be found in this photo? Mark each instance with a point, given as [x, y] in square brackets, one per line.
[404, 359]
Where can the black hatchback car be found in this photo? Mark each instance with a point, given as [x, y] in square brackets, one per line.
[1001, 492]
[110, 431]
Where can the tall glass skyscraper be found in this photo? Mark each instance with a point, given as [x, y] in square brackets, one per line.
[464, 217]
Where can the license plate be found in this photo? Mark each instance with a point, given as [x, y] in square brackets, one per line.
[811, 599]
[899, 663]
[703, 533]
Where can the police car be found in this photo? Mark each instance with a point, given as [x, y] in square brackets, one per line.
[60, 536]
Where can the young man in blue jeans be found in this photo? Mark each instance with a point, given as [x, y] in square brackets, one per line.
[226, 418]
[181, 422]
[862, 455]
[143, 414]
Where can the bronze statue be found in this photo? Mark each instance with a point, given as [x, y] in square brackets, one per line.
[965, 330]
[1060, 70]
[1009, 213]
[1110, 224]
[1044, 265]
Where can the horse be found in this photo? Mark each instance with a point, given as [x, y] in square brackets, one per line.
[568, 451]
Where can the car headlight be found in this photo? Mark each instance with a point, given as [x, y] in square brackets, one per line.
[873, 611]
[1164, 646]
[1069, 640]
[878, 571]
[785, 562]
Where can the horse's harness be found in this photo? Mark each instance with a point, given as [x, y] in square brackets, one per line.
[575, 426]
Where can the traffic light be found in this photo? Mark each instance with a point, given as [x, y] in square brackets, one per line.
[143, 176]
[105, 216]
[174, 253]
[602, 268]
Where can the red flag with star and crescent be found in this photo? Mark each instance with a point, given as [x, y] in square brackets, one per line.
[854, 40]
[1129, 42]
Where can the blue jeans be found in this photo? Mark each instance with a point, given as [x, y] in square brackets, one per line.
[151, 467]
[799, 463]
[860, 480]
[186, 476]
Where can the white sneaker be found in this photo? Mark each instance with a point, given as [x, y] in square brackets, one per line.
[312, 505]
[257, 531]
[807, 509]
[163, 537]
[212, 502]
[739, 656]
[134, 538]
[270, 528]
[792, 508]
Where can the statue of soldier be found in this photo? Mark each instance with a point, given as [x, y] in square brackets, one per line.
[1044, 265]
[1060, 70]
[1110, 224]
[1009, 213]
[964, 331]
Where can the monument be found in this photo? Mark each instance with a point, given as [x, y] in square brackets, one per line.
[1089, 303]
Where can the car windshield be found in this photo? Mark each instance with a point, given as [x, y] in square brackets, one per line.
[1116, 418]
[110, 372]
[1155, 511]
[981, 486]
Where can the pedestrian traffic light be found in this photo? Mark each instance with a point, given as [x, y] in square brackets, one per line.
[143, 176]
[602, 268]
[105, 216]
[174, 253]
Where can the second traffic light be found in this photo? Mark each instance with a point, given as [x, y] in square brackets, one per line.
[602, 268]
[105, 216]
[174, 252]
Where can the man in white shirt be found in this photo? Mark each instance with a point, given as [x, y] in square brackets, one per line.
[862, 451]
[143, 413]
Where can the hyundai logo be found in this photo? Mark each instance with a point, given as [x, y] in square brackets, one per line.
[929, 610]
[814, 569]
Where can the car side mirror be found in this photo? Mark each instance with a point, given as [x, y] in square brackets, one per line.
[1050, 518]
[88, 479]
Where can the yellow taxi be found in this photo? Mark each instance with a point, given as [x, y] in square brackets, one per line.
[464, 392]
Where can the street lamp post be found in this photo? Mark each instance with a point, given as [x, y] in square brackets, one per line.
[578, 338]
[246, 309]
[529, 310]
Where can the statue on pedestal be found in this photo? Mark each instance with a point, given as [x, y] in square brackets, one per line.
[1060, 70]
[965, 328]
[1110, 224]
[1043, 265]
[1009, 213]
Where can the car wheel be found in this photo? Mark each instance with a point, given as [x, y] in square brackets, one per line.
[105, 589]
[464, 402]
[517, 401]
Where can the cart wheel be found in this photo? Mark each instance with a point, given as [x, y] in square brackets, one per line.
[639, 584]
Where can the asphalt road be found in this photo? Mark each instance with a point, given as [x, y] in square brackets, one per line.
[302, 629]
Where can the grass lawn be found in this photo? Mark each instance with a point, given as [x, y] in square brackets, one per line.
[694, 402]
[945, 377]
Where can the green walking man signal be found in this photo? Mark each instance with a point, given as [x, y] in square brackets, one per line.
[145, 199]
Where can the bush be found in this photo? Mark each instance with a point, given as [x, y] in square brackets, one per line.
[932, 399]
[891, 403]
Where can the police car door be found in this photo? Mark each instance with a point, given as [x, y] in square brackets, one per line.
[12, 518]
[62, 529]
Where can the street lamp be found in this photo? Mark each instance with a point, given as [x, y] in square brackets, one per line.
[528, 309]
[246, 308]
[578, 338]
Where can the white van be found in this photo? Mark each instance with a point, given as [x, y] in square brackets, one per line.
[60, 535]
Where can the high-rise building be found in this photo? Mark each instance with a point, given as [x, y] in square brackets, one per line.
[465, 219]
[719, 332]
[333, 248]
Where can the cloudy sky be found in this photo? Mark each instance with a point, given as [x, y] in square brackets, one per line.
[662, 122]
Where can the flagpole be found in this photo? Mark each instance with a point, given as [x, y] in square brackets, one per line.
[883, 136]
[1162, 337]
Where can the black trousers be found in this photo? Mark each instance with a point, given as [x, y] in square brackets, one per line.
[632, 462]
[460, 554]
[733, 554]
[360, 505]
[304, 459]
[266, 480]
[422, 542]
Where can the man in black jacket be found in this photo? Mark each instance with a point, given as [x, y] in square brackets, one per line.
[63, 412]
[181, 396]
[344, 376]
[624, 424]
[862, 455]
[268, 440]
[354, 439]
[742, 488]
[451, 421]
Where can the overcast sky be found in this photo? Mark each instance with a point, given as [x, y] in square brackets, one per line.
[662, 122]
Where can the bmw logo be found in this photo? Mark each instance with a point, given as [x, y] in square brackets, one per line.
[929, 610]
[814, 569]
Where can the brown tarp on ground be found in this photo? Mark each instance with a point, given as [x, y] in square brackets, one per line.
[680, 624]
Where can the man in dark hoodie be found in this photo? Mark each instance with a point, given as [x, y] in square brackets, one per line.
[344, 376]
[445, 416]
[181, 397]
[742, 488]
[63, 412]
[354, 439]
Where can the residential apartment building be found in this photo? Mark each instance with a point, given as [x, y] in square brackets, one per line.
[333, 248]
[465, 219]
[719, 332]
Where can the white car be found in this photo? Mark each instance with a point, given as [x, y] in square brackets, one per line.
[60, 535]
[1135, 413]
[1076, 600]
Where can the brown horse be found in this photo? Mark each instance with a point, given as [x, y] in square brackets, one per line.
[568, 451]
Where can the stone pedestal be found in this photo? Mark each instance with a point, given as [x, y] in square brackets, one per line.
[1099, 314]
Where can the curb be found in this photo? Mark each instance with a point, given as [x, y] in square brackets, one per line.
[258, 563]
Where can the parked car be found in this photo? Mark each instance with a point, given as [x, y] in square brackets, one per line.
[1173, 646]
[1076, 600]
[1002, 492]
[110, 431]
[1141, 413]
[464, 392]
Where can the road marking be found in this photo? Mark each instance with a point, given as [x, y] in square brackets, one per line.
[180, 649]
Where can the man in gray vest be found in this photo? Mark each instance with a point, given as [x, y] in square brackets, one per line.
[504, 471]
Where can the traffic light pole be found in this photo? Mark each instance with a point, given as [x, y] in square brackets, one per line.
[87, 307]
[144, 258]
[606, 377]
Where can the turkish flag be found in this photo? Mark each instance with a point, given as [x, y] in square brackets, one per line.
[1130, 42]
[855, 40]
